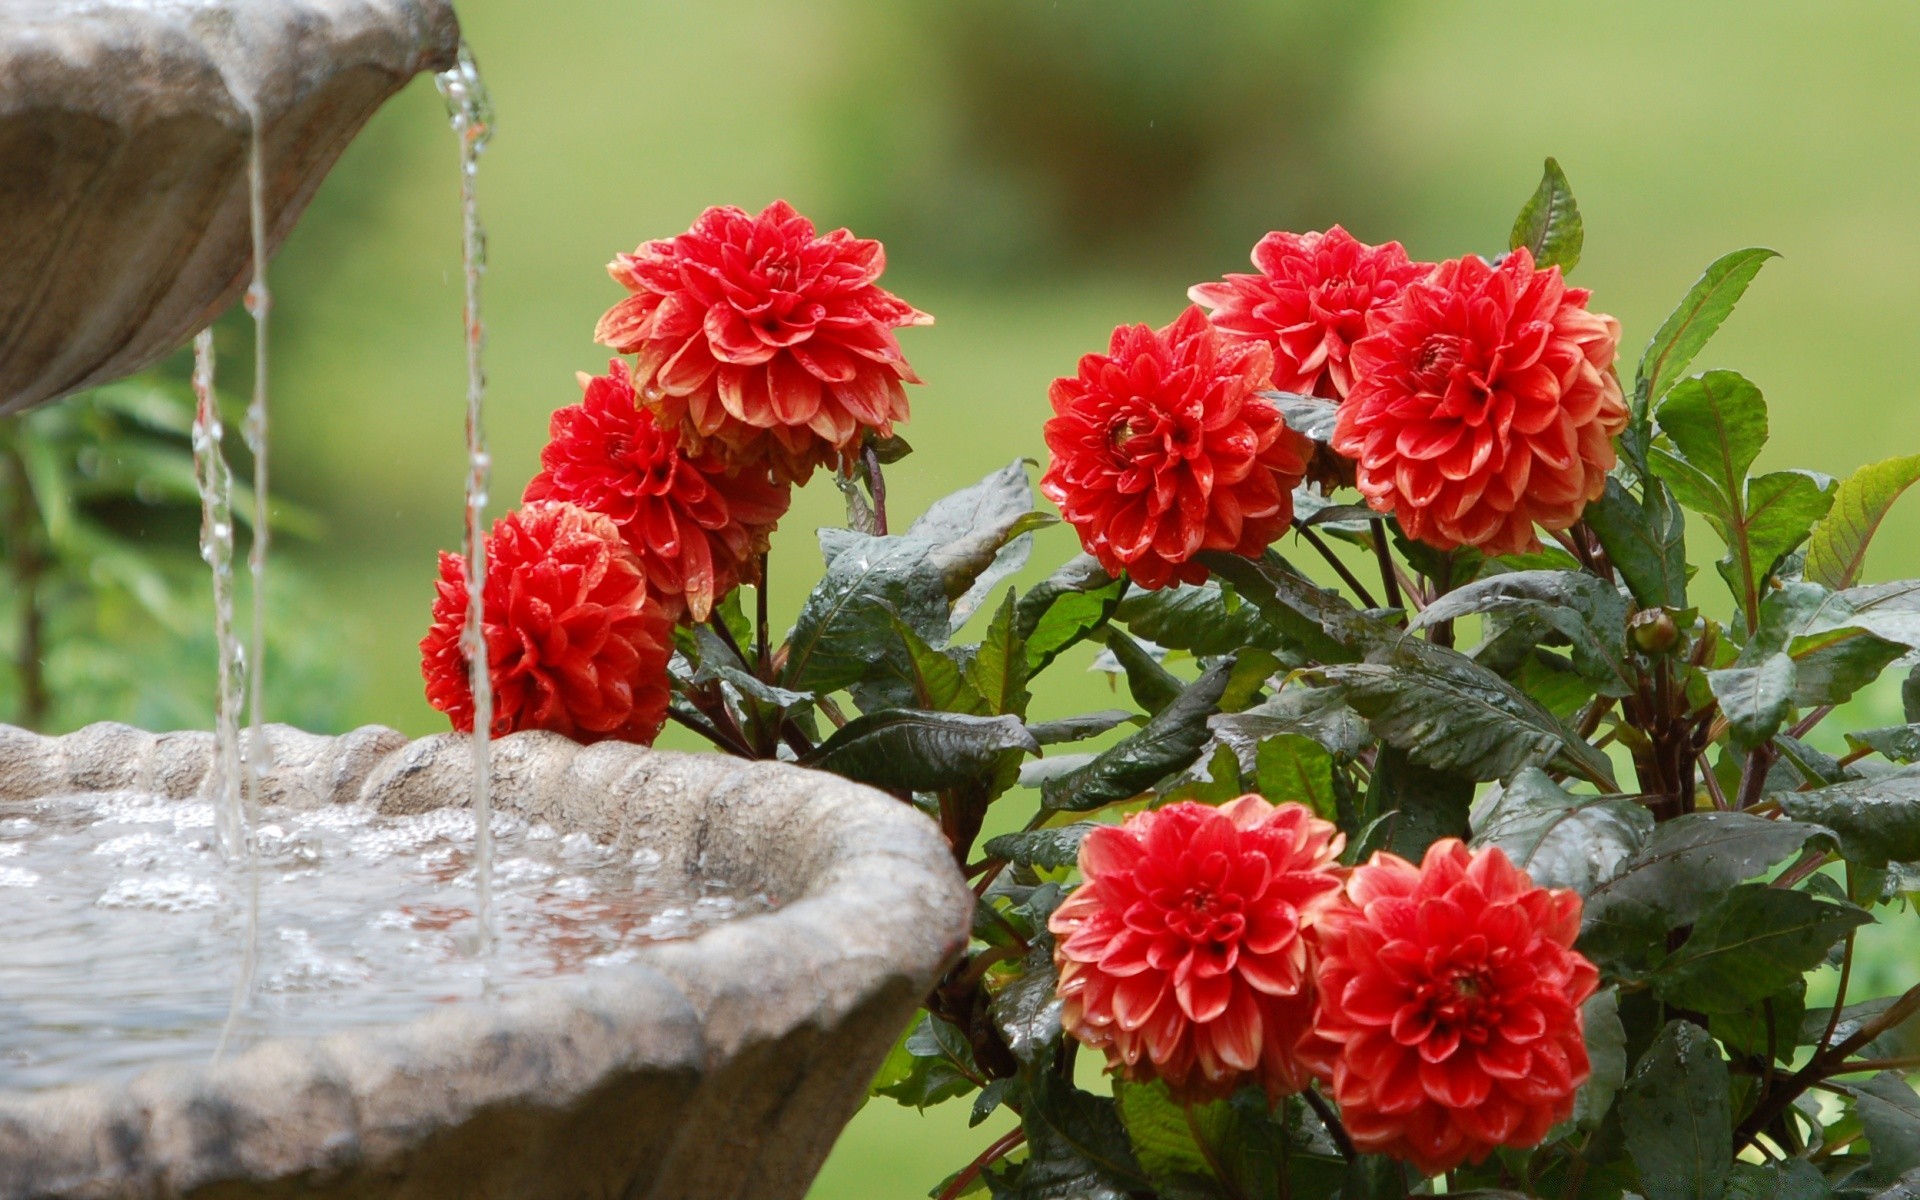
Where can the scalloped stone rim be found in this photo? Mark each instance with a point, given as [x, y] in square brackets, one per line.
[720, 1066]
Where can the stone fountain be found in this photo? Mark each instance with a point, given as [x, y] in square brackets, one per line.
[723, 1065]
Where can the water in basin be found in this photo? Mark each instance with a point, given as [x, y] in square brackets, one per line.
[124, 921]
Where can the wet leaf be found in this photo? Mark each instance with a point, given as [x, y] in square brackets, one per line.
[908, 750]
[1752, 942]
[1590, 612]
[1754, 699]
[1027, 1011]
[1890, 1112]
[1063, 608]
[1560, 839]
[1312, 417]
[998, 671]
[1051, 848]
[1645, 540]
[1316, 621]
[1412, 807]
[1151, 685]
[1896, 743]
[1290, 767]
[1078, 729]
[1203, 620]
[1675, 1114]
[1607, 1052]
[1451, 714]
[1877, 820]
[1169, 742]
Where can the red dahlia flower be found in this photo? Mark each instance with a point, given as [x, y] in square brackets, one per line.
[574, 643]
[1185, 956]
[1484, 402]
[762, 341]
[1161, 449]
[697, 529]
[1309, 303]
[1449, 1018]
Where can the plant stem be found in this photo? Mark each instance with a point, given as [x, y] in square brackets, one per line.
[763, 658]
[1318, 543]
[998, 1150]
[1805, 725]
[877, 488]
[709, 732]
[29, 568]
[1827, 1061]
[1331, 1119]
[1388, 577]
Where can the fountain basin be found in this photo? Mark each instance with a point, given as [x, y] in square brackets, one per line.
[124, 133]
[719, 1066]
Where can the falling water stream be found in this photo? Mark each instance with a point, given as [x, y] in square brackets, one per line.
[240, 765]
[215, 480]
[471, 113]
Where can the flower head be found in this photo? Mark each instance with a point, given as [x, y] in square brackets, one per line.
[1161, 449]
[762, 341]
[1484, 403]
[1185, 955]
[1309, 303]
[696, 527]
[1449, 1018]
[574, 642]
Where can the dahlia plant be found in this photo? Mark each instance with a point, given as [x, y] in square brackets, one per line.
[1523, 862]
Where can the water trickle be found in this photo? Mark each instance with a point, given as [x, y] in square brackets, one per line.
[215, 480]
[256, 754]
[471, 114]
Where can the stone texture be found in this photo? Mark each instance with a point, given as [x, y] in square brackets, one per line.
[124, 127]
[718, 1068]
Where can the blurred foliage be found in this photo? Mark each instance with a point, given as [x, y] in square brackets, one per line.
[1022, 137]
[105, 606]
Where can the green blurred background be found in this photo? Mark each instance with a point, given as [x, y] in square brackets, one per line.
[1041, 171]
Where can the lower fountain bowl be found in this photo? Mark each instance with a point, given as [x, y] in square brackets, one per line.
[720, 1066]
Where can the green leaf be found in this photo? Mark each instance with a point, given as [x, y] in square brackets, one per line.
[1063, 608]
[1687, 329]
[1793, 1179]
[969, 528]
[1607, 1054]
[919, 751]
[932, 1063]
[1453, 715]
[1560, 839]
[847, 624]
[1549, 226]
[1169, 742]
[1890, 1113]
[1754, 941]
[1051, 849]
[998, 671]
[1755, 699]
[1896, 743]
[1676, 1116]
[1078, 729]
[1412, 806]
[1718, 424]
[1317, 713]
[1162, 1136]
[1780, 511]
[1688, 863]
[1288, 766]
[1077, 1145]
[1877, 820]
[937, 681]
[1318, 622]
[1646, 541]
[1026, 1010]
[1151, 685]
[1203, 620]
[1588, 611]
[1838, 548]
[1312, 417]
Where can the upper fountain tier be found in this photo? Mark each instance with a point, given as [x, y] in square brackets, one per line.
[124, 130]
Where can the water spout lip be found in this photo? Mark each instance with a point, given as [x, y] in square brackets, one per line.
[761, 1034]
[127, 122]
